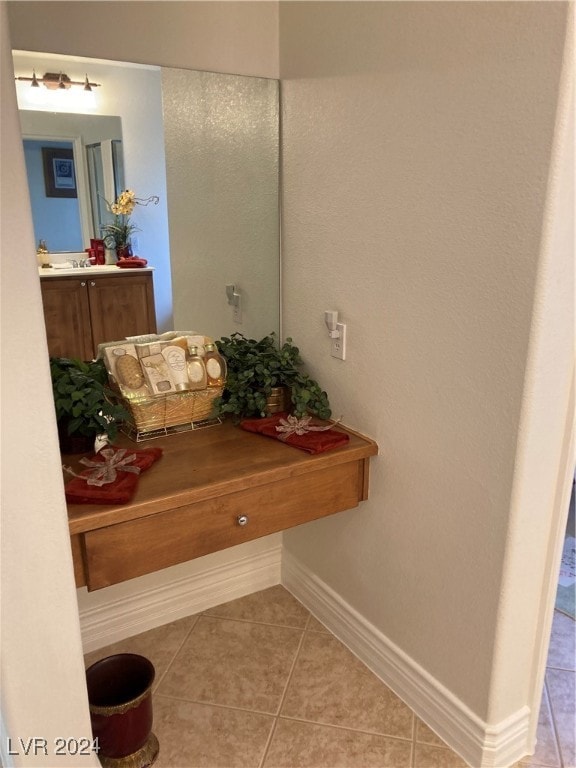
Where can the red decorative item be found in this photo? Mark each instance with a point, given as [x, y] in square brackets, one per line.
[124, 251]
[98, 250]
[86, 488]
[134, 262]
[321, 438]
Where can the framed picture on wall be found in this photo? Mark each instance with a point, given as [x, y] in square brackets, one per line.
[59, 173]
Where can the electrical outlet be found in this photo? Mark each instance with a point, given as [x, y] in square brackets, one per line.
[338, 345]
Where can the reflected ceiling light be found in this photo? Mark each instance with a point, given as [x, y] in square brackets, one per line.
[58, 81]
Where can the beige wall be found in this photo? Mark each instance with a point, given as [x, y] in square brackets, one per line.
[42, 672]
[240, 36]
[417, 143]
[417, 140]
[546, 452]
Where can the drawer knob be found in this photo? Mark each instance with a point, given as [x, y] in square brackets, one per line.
[242, 520]
[83, 284]
[92, 283]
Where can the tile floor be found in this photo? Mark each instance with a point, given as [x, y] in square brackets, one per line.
[258, 682]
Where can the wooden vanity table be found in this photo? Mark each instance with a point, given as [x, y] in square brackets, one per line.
[212, 489]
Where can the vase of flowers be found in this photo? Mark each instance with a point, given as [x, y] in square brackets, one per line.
[117, 234]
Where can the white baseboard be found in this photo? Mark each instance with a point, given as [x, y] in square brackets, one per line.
[149, 608]
[479, 744]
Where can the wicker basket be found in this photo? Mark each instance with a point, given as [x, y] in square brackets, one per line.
[155, 415]
[158, 416]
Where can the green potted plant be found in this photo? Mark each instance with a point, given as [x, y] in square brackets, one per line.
[84, 403]
[255, 368]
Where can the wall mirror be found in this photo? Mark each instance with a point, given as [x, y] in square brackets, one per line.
[208, 145]
[66, 221]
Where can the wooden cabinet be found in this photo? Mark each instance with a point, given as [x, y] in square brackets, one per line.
[67, 318]
[83, 311]
[213, 489]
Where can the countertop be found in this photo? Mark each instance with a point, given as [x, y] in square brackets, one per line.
[104, 269]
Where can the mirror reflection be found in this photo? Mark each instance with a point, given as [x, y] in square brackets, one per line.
[221, 139]
[66, 222]
[56, 217]
[207, 145]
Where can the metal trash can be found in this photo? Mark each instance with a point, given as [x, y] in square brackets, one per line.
[120, 700]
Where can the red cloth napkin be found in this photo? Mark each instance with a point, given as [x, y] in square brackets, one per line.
[312, 442]
[121, 490]
[133, 262]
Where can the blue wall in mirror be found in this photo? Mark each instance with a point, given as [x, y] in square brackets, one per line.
[56, 219]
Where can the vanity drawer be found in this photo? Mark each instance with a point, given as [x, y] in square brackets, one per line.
[126, 550]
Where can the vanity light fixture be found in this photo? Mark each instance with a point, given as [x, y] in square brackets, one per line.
[58, 81]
